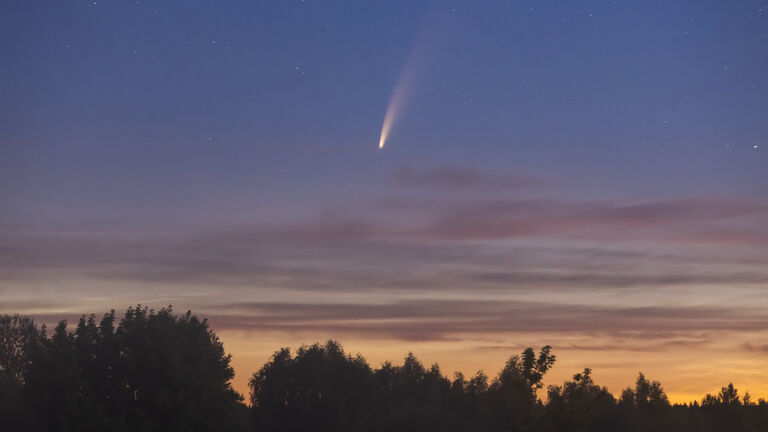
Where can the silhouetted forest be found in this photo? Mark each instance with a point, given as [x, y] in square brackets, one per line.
[157, 371]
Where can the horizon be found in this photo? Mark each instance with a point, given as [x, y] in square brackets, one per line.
[455, 179]
[563, 370]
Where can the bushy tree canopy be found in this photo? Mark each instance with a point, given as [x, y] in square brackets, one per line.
[154, 371]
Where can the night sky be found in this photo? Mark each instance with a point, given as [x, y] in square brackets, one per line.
[587, 174]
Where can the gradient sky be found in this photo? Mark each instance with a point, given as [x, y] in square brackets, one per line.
[587, 174]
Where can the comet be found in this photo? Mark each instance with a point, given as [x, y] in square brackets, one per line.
[401, 91]
[393, 110]
[415, 66]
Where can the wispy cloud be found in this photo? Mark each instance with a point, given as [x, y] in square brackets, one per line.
[459, 178]
[527, 265]
[756, 347]
[690, 220]
[329, 258]
[457, 320]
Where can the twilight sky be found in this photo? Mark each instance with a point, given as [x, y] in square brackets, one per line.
[587, 174]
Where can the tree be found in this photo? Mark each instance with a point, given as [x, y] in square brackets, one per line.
[155, 371]
[17, 336]
[174, 372]
[514, 389]
[729, 396]
[646, 394]
[319, 385]
[578, 403]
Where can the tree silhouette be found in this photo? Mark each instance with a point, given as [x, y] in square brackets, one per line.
[729, 396]
[514, 389]
[157, 371]
[578, 403]
[154, 371]
[17, 336]
[646, 394]
[319, 384]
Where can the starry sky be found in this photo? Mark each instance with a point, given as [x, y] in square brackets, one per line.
[587, 174]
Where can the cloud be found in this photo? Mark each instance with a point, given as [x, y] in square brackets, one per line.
[488, 324]
[761, 348]
[683, 221]
[451, 248]
[654, 327]
[458, 178]
[621, 345]
[326, 258]
[617, 279]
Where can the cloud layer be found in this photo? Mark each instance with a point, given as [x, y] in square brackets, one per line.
[454, 255]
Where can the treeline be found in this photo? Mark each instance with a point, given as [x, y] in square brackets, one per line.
[157, 371]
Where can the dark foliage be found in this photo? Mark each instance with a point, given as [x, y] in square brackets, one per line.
[156, 371]
[321, 388]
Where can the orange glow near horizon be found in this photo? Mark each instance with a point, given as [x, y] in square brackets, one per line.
[685, 375]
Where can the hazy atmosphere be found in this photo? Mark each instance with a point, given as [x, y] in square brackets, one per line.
[457, 179]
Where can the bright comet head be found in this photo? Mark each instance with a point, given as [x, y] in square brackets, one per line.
[384, 131]
[392, 111]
